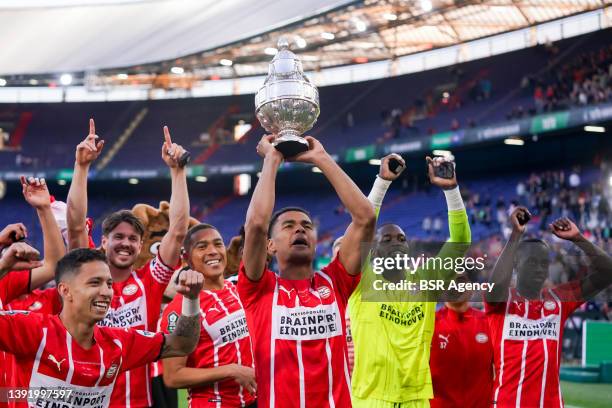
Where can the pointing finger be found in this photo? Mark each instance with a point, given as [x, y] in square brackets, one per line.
[167, 136]
[92, 127]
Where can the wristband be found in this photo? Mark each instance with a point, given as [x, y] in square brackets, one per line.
[379, 189]
[191, 307]
[453, 199]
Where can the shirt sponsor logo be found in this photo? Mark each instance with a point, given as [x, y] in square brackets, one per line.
[482, 338]
[519, 328]
[79, 396]
[306, 323]
[130, 289]
[324, 291]
[128, 315]
[228, 329]
[399, 317]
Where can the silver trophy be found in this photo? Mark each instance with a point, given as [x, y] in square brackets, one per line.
[287, 104]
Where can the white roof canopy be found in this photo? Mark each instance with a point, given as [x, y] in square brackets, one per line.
[41, 36]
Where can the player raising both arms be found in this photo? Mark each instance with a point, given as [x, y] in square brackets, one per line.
[137, 293]
[70, 352]
[392, 366]
[296, 319]
[527, 322]
[220, 371]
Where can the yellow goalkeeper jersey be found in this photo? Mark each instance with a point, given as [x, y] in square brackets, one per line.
[392, 334]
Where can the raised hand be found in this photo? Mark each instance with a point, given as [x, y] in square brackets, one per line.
[313, 155]
[444, 183]
[517, 214]
[245, 376]
[190, 284]
[89, 149]
[385, 172]
[171, 152]
[19, 256]
[565, 229]
[265, 147]
[12, 233]
[35, 192]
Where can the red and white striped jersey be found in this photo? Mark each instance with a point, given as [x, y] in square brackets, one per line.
[47, 358]
[224, 339]
[526, 337]
[299, 337]
[137, 304]
[12, 285]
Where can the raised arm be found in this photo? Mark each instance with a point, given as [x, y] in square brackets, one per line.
[363, 218]
[36, 194]
[501, 275]
[384, 179]
[260, 211]
[601, 262]
[17, 257]
[184, 338]
[86, 152]
[170, 247]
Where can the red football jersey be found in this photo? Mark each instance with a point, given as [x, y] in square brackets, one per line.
[45, 301]
[526, 337]
[299, 337]
[461, 360]
[47, 358]
[137, 304]
[12, 285]
[224, 339]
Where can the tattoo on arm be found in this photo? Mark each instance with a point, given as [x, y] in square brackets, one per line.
[184, 338]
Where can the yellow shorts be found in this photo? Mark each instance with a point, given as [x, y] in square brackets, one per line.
[375, 403]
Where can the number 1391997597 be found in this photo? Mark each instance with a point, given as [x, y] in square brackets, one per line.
[8, 394]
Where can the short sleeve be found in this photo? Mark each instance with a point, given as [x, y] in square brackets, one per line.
[139, 347]
[344, 282]
[250, 291]
[171, 315]
[20, 332]
[13, 285]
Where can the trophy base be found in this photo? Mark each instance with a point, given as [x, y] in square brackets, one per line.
[291, 145]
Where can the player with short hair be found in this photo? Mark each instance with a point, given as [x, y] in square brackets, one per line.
[527, 321]
[392, 367]
[138, 293]
[296, 318]
[71, 352]
[220, 371]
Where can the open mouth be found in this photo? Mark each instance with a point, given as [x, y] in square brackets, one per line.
[300, 242]
[101, 306]
[213, 262]
[124, 252]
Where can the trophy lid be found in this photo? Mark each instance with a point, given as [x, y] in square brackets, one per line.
[285, 63]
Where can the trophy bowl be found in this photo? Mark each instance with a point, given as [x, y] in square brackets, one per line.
[287, 105]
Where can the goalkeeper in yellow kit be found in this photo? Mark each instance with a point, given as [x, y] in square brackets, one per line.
[392, 330]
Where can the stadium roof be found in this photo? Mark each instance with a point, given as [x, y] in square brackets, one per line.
[146, 41]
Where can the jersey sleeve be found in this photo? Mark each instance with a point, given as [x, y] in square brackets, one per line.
[250, 291]
[344, 282]
[139, 347]
[13, 285]
[171, 314]
[160, 271]
[20, 332]
[570, 295]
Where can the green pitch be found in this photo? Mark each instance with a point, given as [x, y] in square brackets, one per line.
[576, 395]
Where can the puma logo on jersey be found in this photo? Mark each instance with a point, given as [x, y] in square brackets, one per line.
[287, 291]
[213, 308]
[58, 363]
[443, 343]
